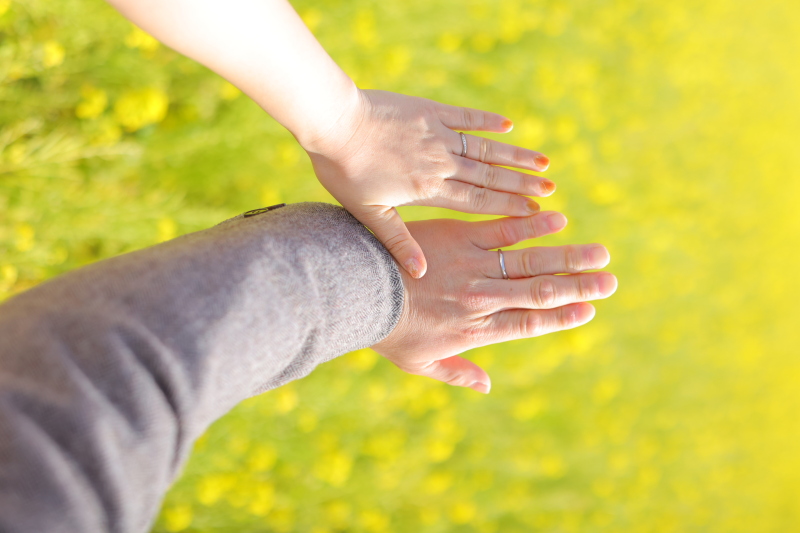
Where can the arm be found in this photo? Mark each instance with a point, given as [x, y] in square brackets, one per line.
[262, 47]
[108, 374]
[372, 150]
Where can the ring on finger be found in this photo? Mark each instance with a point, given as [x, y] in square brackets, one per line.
[463, 144]
[502, 264]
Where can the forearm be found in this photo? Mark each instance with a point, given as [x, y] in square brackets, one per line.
[108, 374]
[262, 47]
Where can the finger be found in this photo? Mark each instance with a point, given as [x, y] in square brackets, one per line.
[507, 231]
[468, 198]
[467, 119]
[548, 292]
[501, 179]
[523, 323]
[390, 229]
[547, 260]
[456, 371]
[498, 153]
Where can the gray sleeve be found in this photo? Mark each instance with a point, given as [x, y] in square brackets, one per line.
[109, 373]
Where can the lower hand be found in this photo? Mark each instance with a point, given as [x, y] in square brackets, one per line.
[390, 149]
[465, 303]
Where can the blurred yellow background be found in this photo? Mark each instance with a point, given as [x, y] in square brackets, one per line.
[673, 131]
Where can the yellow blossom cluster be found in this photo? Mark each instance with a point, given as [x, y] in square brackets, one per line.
[671, 127]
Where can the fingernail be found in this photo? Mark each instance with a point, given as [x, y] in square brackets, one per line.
[598, 257]
[412, 266]
[542, 161]
[508, 125]
[607, 284]
[533, 207]
[548, 187]
[556, 221]
[481, 387]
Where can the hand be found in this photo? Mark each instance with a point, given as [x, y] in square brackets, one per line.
[390, 149]
[465, 303]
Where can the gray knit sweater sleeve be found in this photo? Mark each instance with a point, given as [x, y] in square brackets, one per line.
[109, 373]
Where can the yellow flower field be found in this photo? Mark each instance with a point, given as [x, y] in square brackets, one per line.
[673, 128]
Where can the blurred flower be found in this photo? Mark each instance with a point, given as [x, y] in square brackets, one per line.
[362, 360]
[107, 132]
[482, 42]
[261, 458]
[337, 513]
[437, 482]
[25, 237]
[178, 517]
[552, 466]
[311, 17]
[605, 390]
[285, 399]
[229, 91]
[93, 104]
[397, 60]
[138, 38]
[462, 512]
[374, 520]
[449, 42]
[263, 498]
[363, 28]
[211, 488]
[137, 109]
[528, 407]
[167, 229]
[53, 54]
[334, 468]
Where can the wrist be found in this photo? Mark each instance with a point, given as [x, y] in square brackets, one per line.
[326, 134]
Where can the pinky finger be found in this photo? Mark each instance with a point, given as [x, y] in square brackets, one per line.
[525, 323]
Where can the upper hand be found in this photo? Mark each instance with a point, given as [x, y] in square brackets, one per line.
[465, 303]
[391, 149]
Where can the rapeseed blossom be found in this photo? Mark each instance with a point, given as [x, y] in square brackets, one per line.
[672, 141]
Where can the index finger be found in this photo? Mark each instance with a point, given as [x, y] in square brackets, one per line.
[501, 232]
[468, 119]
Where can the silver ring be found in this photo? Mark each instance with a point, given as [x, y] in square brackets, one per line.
[463, 144]
[502, 264]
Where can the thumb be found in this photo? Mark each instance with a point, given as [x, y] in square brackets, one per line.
[458, 372]
[390, 229]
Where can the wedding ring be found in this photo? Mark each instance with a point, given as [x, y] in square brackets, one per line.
[502, 264]
[463, 144]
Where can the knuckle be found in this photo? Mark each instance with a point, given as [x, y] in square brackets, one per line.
[532, 263]
[467, 119]
[453, 377]
[506, 231]
[491, 176]
[543, 293]
[513, 203]
[584, 287]
[572, 258]
[473, 333]
[532, 325]
[479, 198]
[474, 299]
[427, 188]
[396, 243]
[485, 149]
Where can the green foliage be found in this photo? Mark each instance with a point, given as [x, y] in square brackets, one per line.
[671, 127]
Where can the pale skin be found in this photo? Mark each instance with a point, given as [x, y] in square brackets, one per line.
[465, 303]
[372, 150]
